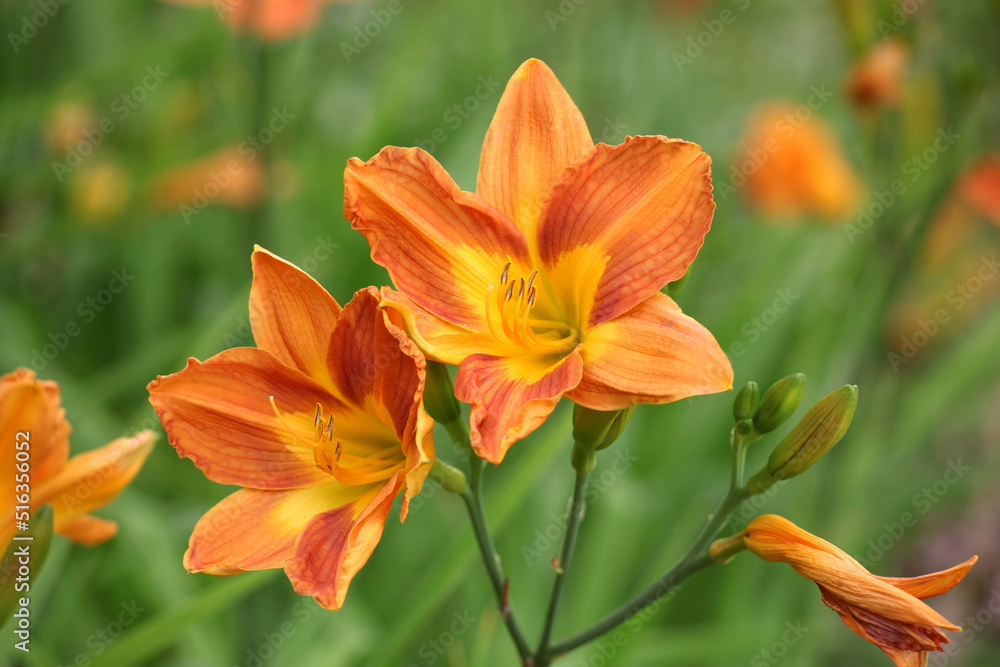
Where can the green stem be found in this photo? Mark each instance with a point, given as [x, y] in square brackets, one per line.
[473, 497]
[578, 508]
[695, 559]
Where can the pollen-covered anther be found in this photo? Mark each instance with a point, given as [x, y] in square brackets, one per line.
[514, 301]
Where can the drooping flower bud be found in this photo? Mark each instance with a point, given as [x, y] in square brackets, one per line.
[439, 394]
[779, 403]
[821, 428]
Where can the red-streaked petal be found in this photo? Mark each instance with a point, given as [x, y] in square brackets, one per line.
[380, 370]
[442, 247]
[336, 544]
[512, 396]
[933, 584]
[219, 414]
[291, 315]
[622, 223]
[654, 353]
[253, 529]
[536, 133]
[89, 481]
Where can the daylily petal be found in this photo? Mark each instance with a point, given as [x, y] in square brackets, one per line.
[442, 247]
[378, 369]
[512, 396]
[291, 315]
[439, 339]
[91, 480]
[654, 353]
[253, 529]
[536, 132]
[933, 584]
[32, 406]
[219, 414]
[88, 530]
[622, 223]
[336, 544]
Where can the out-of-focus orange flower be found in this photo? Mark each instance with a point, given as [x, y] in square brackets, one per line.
[545, 282]
[322, 424]
[227, 177]
[66, 125]
[270, 20]
[886, 611]
[876, 79]
[979, 188]
[99, 191]
[34, 444]
[794, 166]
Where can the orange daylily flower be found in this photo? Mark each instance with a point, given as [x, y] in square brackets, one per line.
[322, 424]
[876, 79]
[795, 166]
[226, 177]
[270, 20]
[886, 611]
[545, 282]
[74, 487]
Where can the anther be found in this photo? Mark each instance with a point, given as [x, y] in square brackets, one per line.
[503, 276]
[510, 293]
[319, 415]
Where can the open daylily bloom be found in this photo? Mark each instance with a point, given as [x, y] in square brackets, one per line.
[322, 424]
[73, 486]
[545, 282]
[794, 166]
[270, 20]
[886, 611]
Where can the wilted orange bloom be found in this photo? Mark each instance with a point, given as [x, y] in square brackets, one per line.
[794, 166]
[876, 79]
[226, 177]
[34, 441]
[270, 20]
[886, 611]
[322, 424]
[545, 282]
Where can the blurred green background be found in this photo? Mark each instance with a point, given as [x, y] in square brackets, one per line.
[423, 598]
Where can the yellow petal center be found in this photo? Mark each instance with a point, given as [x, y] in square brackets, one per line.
[509, 317]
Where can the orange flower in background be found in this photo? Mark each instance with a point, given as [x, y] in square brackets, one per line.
[886, 611]
[794, 166]
[545, 282]
[322, 424]
[876, 79]
[73, 486]
[226, 177]
[269, 20]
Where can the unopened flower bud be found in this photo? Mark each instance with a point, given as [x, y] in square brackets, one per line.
[779, 403]
[596, 429]
[450, 478]
[746, 402]
[821, 428]
[439, 394]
